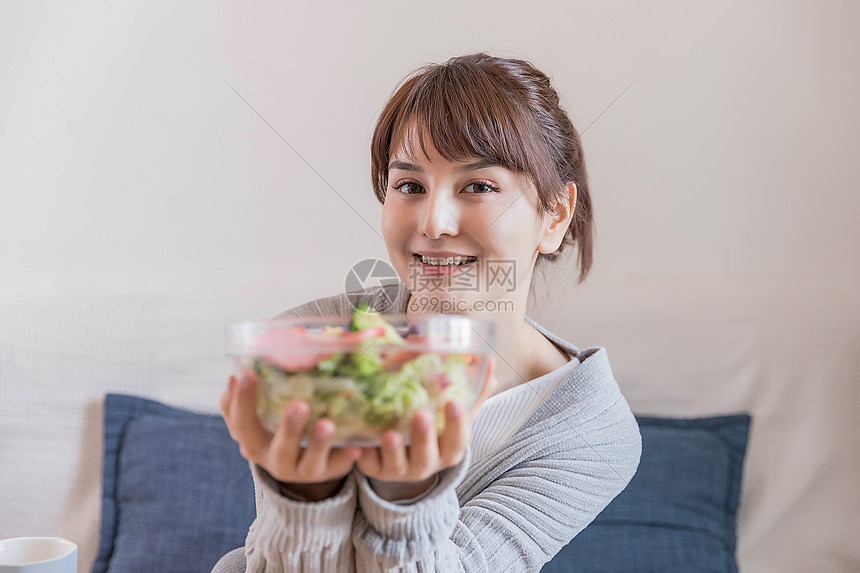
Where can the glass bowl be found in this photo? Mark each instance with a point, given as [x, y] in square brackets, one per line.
[367, 372]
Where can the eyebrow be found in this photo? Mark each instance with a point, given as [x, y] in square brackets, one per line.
[482, 164]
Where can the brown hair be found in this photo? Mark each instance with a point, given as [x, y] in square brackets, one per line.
[502, 110]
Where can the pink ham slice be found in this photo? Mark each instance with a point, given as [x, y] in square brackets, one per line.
[297, 350]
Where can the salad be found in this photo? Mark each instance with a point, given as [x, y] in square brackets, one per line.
[366, 378]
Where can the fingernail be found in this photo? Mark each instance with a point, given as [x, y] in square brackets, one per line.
[322, 431]
[422, 421]
[455, 409]
[245, 383]
[293, 413]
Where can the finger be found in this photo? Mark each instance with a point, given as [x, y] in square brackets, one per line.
[488, 389]
[313, 461]
[394, 464]
[341, 460]
[490, 381]
[453, 442]
[244, 424]
[224, 402]
[285, 447]
[370, 462]
[424, 447]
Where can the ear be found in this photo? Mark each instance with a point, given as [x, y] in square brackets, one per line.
[557, 222]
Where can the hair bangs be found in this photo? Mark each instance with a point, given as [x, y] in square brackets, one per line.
[463, 115]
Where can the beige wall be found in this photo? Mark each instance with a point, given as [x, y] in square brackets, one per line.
[127, 162]
[727, 171]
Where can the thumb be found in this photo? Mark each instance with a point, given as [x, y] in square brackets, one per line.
[490, 385]
[244, 424]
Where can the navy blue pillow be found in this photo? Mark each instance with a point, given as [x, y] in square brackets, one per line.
[177, 494]
[678, 512]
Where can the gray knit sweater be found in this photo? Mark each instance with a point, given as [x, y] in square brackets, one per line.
[512, 510]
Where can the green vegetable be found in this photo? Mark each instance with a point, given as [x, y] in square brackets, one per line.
[366, 362]
[358, 394]
[330, 365]
[399, 396]
[363, 364]
[365, 317]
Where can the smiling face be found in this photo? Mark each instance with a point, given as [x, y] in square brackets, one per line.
[485, 214]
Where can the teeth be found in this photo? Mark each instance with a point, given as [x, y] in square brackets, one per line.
[442, 262]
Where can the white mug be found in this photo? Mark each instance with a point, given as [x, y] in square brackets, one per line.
[38, 555]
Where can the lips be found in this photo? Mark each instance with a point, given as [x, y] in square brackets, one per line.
[442, 270]
[456, 261]
[441, 254]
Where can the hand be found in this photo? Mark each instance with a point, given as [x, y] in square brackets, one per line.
[411, 470]
[318, 466]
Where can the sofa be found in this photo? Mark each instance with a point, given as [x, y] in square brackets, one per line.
[747, 399]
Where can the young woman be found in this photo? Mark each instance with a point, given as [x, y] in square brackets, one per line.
[481, 176]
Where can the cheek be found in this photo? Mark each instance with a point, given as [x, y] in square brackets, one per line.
[508, 231]
[392, 226]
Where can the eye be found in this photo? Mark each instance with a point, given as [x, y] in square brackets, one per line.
[408, 187]
[481, 187]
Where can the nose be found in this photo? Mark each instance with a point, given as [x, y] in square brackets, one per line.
[440, 216]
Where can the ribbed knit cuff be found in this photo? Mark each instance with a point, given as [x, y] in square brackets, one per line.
[432, 517]
[289, 534]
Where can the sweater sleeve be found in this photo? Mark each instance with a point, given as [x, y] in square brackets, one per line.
[298, 536]
[569, 468]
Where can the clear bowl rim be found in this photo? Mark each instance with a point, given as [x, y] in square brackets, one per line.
[238, 329]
